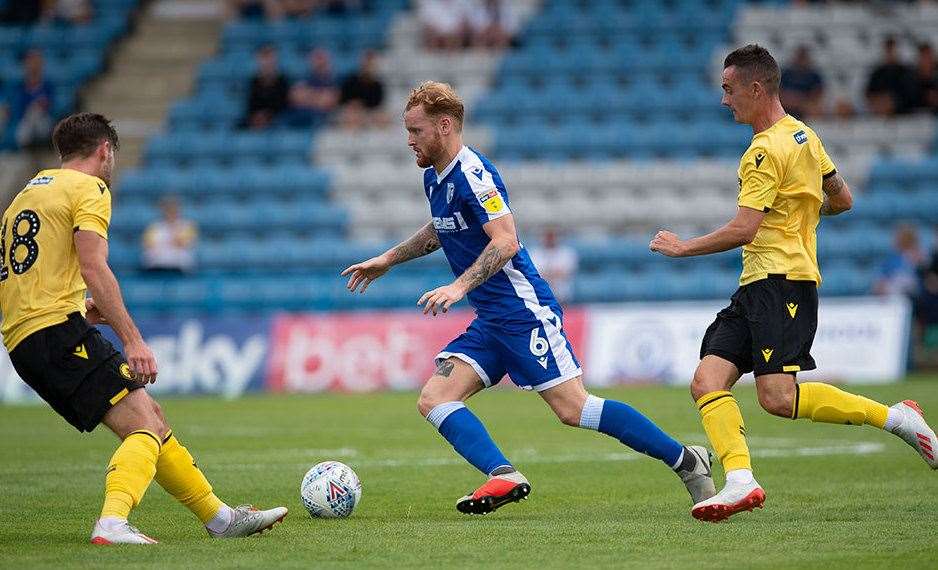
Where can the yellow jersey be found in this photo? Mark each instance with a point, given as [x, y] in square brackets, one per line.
[40, 279]
[781, 174]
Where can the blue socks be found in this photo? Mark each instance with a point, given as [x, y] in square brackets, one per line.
[463, 430]
[631, 427]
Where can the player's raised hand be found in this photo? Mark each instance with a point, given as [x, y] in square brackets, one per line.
[93, 314]
[667, 243]
[441, 298]
[362, 274]
[142, 362]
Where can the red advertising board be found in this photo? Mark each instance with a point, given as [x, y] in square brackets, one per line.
[368, 351]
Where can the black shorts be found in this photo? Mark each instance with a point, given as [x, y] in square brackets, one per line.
[75, 369]
[768, 328]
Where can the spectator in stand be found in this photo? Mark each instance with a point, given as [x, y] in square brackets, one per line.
[299, 8]
[928, 301]
[31, 104]
[169, 243]
[254, 9]
[314, 97]
[444, 24]
[74, 12]
[925, 80]
[362, 95]
[888, 91]
[557, 263]
[899, 273]
[802, 89]
[492, 23]
[269, 90]
[21, 12]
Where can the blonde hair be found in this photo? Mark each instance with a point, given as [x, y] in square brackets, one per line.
[437, 99]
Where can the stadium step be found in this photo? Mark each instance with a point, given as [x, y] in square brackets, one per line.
[153, 67]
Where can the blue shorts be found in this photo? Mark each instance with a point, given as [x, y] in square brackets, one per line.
[536, 358]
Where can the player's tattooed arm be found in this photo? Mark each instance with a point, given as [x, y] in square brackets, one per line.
[502, 247]
[424, 242]
[837, 196]
[361, 275]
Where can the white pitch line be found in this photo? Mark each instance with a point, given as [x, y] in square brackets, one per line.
[529, 457]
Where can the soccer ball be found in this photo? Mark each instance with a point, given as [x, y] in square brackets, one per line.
[330, 490]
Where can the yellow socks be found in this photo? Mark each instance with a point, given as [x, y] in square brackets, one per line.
[724, 426]
[129, 473]
[177, 472]
[825, 403]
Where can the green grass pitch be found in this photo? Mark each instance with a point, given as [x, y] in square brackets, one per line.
[838, 497]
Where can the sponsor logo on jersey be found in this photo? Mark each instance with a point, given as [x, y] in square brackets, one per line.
[41, 180]
[125, 371]
[454, 223]
[801, 137]
[478, 172]
[81, 352]
[492, 201]
[759, 159]
[792, 309]
[767, 353]
[450, 190]
[102, 187]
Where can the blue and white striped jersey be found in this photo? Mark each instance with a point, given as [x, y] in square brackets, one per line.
[464, 197]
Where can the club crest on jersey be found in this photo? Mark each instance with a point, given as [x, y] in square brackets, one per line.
[450, 190]
[801, 137]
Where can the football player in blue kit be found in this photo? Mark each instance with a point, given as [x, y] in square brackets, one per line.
[518, 328]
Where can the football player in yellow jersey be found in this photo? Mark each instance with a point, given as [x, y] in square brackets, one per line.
[786, 182]
[53, 247]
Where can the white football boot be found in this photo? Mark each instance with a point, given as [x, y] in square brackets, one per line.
[914, 431]
[734, 498]
[119, 533]
[699, 480]
[248, 520]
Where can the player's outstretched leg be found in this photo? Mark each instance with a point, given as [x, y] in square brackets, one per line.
[441, 403]
[576, 407]
[723, 423]
[130, 470]
[781, 396]
[178, 474]
[175, 470]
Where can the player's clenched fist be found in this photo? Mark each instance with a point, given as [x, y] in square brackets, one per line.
[362, 274]
[667, 243]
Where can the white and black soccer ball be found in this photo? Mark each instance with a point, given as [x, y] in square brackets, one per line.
[330, 490]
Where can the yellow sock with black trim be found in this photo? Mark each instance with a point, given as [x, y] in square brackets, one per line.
[177, 472]
[129, 473]
[825, 403]
[723, 423]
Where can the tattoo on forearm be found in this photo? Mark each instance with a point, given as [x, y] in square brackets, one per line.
[444, 369]
[424, 242]
[833, 185]
[489, 263]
